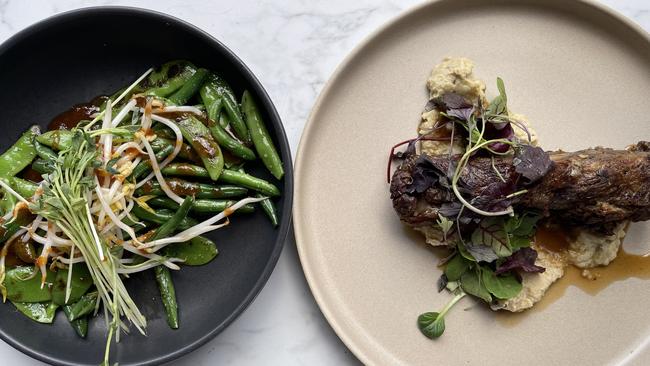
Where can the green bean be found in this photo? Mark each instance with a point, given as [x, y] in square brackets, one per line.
[18, 156]
[227, 176]
[160, 216]
[191, 87]
[261, 137]
[201, 206]
[23, 187]
[57, 140]
[185, 188]
[198, 135]
[169, 226]
[82, 307]
[37, 311]
[43, 166]
[249, 181]
[144, 167]
[186, 152]
[196, 252]
[168, 295]
[23, 288]
[227, 142]
[217, 94]
[269, 209]
[169, 78]
[44, 152]
[81, 281]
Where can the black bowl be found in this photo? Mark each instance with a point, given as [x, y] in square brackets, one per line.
[75, 56]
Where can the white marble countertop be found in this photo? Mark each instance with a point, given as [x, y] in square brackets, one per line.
[293, 46]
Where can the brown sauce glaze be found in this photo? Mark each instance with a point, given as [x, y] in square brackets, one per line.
[591, 281]
[73, 116]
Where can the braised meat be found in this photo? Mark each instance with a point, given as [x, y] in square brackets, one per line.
[596, 187]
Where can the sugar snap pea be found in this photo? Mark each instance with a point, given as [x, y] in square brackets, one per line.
[169, 78]
[18, 156]
[185, 188]
[43, 166]
[58, 139]
[227, 142]
[261, 137]
[217, 94]
[82, 307]
[43, 151]
[189, 88]
[198, 135]
[23, 187]
[42, 312]
[202, 206]
[168, 294]
[269, 209]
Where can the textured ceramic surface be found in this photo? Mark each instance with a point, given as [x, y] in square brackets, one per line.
[580, 73]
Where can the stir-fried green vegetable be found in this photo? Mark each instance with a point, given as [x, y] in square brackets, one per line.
[110, 203]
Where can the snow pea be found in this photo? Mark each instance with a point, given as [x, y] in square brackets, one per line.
[168, 295]
[23, 187]
[198, 135]
[80, 326]
[196, 252]
[37, 311]
[19, 155]
[58, 140]
[81, 282]
[23, 288]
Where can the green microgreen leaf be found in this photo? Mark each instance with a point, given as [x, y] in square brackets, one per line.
[501, 286]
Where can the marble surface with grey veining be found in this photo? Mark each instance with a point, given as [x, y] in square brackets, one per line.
[293, 46]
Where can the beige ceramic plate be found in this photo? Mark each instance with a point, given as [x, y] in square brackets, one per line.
[580, 73]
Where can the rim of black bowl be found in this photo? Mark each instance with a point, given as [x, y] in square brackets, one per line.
[285, 220]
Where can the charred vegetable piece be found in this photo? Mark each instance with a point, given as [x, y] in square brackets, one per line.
[217, 94]
[198, 135]
[185, 188]
[269, 209]
[24, 251]
[200, 206]
[261, 137]
[191, 87]
[41, 312]
[81, 282]
[18, 156]
[22, 217]
[196, 252]
[58, 139]
[23, 285]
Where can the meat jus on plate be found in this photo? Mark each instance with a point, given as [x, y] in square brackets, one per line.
[475, 180]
